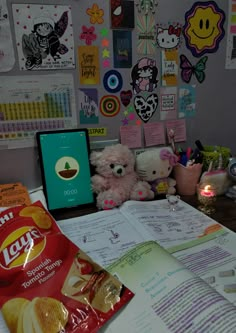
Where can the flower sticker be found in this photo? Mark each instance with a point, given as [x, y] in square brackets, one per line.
[96, 14]
[88, 35]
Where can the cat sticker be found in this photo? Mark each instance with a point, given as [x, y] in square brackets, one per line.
[168, 38]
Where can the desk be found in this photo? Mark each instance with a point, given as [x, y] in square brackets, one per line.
[225, 211]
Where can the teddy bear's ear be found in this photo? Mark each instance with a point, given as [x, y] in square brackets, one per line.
[94, 157]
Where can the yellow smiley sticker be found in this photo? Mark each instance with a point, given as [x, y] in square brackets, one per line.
[203, 29]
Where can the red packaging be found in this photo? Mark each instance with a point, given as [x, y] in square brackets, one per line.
[47, 284]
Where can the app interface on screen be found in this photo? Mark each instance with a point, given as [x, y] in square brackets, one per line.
[66, 168]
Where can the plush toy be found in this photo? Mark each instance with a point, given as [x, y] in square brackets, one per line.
[155, 166]
[115, 180]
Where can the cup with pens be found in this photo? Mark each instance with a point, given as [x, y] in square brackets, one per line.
[188, 171]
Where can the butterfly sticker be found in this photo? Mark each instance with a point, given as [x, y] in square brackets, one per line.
[188, 69]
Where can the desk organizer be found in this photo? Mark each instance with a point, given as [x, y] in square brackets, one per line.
[187, 178]
[212, 153]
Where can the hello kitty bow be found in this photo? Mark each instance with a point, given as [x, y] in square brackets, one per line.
[167, 155]
[174, 31]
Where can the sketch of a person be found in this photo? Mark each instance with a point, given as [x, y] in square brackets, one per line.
[144, 75]
[44, 40]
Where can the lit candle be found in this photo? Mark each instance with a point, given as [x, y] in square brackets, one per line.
[207, 191]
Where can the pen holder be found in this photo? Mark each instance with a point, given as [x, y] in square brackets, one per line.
[187, 178]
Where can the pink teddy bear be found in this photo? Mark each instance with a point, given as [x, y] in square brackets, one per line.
[116, 180]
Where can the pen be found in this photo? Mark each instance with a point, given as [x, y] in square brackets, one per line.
[188, 152]
[199, 145]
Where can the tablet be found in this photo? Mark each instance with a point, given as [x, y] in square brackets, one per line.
[65, 168]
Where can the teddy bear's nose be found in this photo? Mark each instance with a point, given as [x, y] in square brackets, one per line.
[119, 171]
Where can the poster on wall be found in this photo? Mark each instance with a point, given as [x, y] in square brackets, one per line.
[44, 36]
[88, 106]
[231, 37]
[169, 68]
[168, 103]
[187, 101]
[7, 57]
[89, 65]
[30, 103]
[122, 48]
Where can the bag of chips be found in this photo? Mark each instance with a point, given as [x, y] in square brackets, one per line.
[47, 284]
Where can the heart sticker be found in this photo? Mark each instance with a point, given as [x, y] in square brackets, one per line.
[145, 108]
[125, 97]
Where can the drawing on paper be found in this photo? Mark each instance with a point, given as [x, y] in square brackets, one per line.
[39, 31]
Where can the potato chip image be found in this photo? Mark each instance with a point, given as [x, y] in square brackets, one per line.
[42, 220]
[44, 315]
[30, 210]
[12, 312]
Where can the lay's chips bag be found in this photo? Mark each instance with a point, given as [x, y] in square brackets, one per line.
[47, 284]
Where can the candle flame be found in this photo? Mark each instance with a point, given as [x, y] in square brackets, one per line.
[207, 187]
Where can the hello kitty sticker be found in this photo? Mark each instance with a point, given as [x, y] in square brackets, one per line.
[169, 38]
[144, 75]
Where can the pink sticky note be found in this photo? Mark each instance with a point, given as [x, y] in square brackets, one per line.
[131, 136]
[154, 134]
[179, 127]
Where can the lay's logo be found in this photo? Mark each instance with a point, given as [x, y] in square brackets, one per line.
[21, 246]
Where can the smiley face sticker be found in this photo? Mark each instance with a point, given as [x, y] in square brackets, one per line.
[203, 29]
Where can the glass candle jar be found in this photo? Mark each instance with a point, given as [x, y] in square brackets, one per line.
[206, 196]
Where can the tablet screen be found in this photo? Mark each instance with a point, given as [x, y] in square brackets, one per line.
[66, 171]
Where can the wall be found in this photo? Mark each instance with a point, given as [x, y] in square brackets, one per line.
[214, 123]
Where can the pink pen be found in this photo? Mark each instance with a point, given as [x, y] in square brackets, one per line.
[188, 153]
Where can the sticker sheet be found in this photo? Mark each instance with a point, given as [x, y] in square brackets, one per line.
[44, 36]
[7, 57]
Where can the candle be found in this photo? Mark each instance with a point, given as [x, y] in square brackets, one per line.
[207, 191]
[207, 198]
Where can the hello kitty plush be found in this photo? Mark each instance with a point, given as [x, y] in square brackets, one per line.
[155, 166]
[115, 180]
